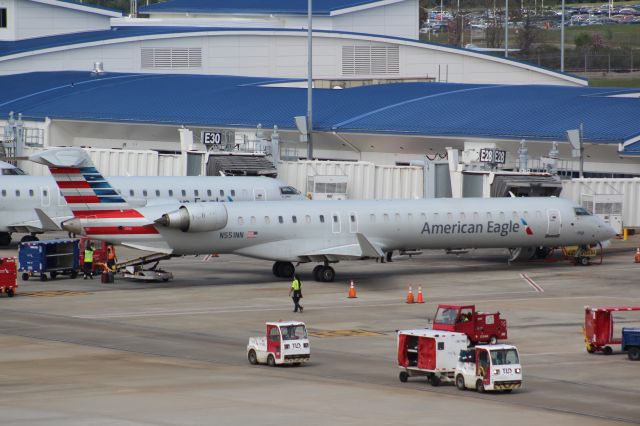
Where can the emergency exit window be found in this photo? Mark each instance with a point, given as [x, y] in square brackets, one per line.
[3, 17]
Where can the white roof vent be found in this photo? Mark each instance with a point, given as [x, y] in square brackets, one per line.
[98, 68]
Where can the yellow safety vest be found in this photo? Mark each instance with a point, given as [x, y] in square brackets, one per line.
[88, 256]
[295, 285]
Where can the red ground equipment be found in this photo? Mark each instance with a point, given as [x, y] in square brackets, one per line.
[598, 327]
[479, 327]
[8, 276]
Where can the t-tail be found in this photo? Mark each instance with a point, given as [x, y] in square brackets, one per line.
[99, 210]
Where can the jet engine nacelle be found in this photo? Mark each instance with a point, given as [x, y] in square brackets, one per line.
[197, 217]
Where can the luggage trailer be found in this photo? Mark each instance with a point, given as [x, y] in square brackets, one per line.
[598, 328]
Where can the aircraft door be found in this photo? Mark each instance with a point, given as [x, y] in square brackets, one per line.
[553, 223]
[353, 222]
[259, 194]
[273, 340]
[45, 200]
[335, 223]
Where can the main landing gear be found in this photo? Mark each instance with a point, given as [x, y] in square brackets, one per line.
[324, 273]
[283, 269]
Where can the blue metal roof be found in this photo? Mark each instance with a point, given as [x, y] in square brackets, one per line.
[531, 112]
[280, 7]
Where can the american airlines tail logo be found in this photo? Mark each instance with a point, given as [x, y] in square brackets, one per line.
[527, 228]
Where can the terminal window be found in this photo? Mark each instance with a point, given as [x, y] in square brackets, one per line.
[3, 17]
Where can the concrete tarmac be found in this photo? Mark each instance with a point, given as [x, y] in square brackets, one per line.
[78, 352]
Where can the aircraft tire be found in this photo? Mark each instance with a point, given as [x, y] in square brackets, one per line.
[276, 269]
[286, 270]
[5, 238]
[316, 272]
[327, 274]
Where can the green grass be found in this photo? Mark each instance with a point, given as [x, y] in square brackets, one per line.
[610, 82]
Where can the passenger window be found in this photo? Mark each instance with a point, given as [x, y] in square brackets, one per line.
[463, 216]
[233, 192]
[436, 217]
[353, 218]
[45, 192]
[240, 221]
[525, 214]
[488, 215]
[449, 216]
[184, 193]
[501, 216]
[307, 219]
[144, 192]
[253, 220]
[208, 193]
[196, 193]
[31, 193]
[321, 218]
[423, 217]
[410, 217]
[372, 218]
[132, 192]
[397, 217]
[476, 216]
[335, 219]
[385, 217]
[514, 216]
[222, 192]
[157, 192]
[294, 219]
[171, 193]
[267, 220]
[280, 219]
[17, 192]
[4, 192]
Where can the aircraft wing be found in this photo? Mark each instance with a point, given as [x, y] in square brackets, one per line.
[43, 224]
[305, 250]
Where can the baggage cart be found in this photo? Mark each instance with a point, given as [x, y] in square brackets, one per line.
[285, 342]
[8, 276]
[598, 328]
[631, 343]
[53, 257]
[429, 353]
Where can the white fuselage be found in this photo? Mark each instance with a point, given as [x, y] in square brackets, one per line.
[328, 230]
[21, 194]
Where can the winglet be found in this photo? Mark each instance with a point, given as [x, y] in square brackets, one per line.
[368, 248]
[47, 223]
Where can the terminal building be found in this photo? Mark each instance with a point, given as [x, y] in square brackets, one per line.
[201, 87]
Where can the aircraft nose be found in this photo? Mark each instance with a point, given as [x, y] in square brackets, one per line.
[606, 231]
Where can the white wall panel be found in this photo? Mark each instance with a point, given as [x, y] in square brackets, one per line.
[366, 181]
[630, 188]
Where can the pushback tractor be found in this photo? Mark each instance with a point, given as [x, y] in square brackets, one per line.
[489, 368]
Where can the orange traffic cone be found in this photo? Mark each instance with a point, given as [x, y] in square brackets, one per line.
[410, 295]
[352, 291]
[420, 299]
[637, 256]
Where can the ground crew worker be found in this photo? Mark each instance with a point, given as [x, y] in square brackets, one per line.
[296, 290]
[111, 257]
[88, 261]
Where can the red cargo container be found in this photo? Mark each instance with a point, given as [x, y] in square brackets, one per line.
[8, 276]
[598, 327]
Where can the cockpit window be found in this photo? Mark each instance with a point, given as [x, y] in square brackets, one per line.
[581, 211]
[288, 190]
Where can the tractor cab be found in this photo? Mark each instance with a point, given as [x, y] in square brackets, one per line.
[488, 368]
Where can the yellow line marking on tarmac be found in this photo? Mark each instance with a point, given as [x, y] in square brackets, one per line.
[53, 293]
[344, 333]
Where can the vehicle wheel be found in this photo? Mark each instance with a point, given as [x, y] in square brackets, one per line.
[607, 350]
[460, 382]
[25, 277]
[584, 261]
[53, 275]
[28, 238]
[327, 274]
[271, 361]
[634, 353]
[5, 238]
[591, 349]
[286, 270]
[43, 277]
[316, 272]
[276, 269]
[403, 376]
[12, 292]
[480, 386]
[435, 380]
[493, 340]
[253, 359]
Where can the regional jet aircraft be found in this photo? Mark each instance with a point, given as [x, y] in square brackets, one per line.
[20, 195]
[316, 231]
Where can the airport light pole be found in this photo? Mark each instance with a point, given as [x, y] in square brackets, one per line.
[562, 39]
[309, 80]
[506, 28]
